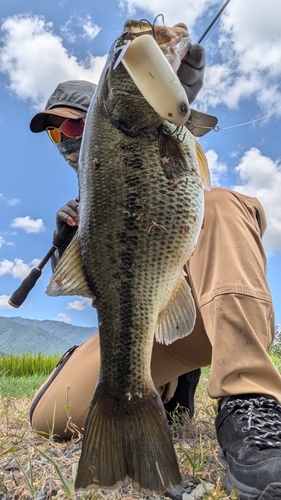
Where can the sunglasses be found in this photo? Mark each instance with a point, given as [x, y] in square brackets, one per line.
[70, 128]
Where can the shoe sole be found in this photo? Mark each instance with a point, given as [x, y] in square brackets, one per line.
[271, 492]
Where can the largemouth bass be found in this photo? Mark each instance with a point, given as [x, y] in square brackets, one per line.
[141, 210]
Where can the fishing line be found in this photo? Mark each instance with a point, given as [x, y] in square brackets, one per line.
[246, 123]
[219, 129]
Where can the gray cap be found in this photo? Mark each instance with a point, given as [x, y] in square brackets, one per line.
[70, 99]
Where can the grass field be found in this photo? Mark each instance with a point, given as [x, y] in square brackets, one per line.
[31, 465]
[20, 376]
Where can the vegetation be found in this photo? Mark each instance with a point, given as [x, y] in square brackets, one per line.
[26, 364]
[31, 464]
[16, 387]
[22, 375]
[276, 346]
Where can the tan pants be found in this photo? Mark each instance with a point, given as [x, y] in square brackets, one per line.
[233, 330]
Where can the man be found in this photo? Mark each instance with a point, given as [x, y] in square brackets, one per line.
[234, 326]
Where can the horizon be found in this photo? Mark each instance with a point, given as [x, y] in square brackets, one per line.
[44, 44]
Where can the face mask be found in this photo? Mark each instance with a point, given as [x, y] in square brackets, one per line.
[70, 150]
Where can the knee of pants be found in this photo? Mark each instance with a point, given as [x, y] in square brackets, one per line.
[221, 200]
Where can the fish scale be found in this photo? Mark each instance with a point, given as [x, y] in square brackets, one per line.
[140, 214]
[136, 247]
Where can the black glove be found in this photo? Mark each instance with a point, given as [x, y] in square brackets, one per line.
[68, 214]
[70, 209]
[191, 71]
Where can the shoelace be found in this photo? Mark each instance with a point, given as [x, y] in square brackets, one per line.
[263, 416]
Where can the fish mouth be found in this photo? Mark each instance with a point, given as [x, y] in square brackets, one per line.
[173, 41]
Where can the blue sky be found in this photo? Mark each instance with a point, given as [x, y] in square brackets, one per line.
[44, 43]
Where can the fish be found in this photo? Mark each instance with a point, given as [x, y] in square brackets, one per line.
[140, 215]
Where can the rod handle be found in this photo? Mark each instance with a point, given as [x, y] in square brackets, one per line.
[20, 294]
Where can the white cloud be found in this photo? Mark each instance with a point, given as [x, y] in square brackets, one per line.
[218, 169]
[173, 12]
[6, 267]
[4, 302]
[28, 45]
[250, 59]
[79, 305]
[17, 268]
[90, 29]
[13, 201]
[217, 81]
[62, 317]
[29, 225]
[260, 176]
[254, 30]
[80, 28]
[10, 202]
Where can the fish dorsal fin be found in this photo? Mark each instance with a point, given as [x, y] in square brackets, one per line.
[69, 276]
[203, 167]
[178, 318]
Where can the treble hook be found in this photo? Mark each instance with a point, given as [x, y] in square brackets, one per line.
[159, 15]
[153, 24]
[178, 133]
[170, 132]
[148, 22]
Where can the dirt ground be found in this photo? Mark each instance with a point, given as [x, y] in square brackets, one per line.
[32, 467]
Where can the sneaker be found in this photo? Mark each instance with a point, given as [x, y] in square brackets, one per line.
[249, 433]
[183, 399]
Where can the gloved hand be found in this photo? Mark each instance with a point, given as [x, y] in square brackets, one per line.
[191, 71]
[68, 213]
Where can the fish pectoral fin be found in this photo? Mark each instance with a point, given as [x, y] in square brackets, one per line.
[203, 167]
[177, 320]
[69, 277]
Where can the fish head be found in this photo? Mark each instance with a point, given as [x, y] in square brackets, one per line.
[122, 101]
[149, 92]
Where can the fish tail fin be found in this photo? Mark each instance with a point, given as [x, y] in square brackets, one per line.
[128, 442]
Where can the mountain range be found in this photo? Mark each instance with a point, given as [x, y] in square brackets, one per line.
[18, 335]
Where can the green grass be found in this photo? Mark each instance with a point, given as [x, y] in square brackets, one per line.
[26, 364]
[21, 376]
[15, 387]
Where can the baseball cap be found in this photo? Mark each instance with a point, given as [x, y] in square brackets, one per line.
[70, 99]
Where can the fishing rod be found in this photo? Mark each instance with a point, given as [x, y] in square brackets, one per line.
[20, 294]
[213, 21]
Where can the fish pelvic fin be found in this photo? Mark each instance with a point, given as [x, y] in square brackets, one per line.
[69, 277]
[128, 442]
[177, 320]
[203, 167]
